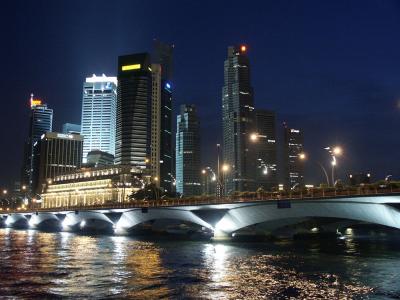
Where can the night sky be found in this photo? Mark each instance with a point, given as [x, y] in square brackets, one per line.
[331, 68]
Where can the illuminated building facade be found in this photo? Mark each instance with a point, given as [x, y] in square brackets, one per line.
[55, 154]
[163, 56]
[293, 143]
[188, 181]
[134, 110]
[40, 122]
[99, 105]
[92, 186]
[265, 148]
[237, 120]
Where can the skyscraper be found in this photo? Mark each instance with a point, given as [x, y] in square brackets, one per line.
[237, 120]
[134, 104]
[99, 105]
[40, 122]
[71, 128]
[156, 123]
[55, 154]
[294, 169]
[265, 150]
[188, 173]
[163, 56]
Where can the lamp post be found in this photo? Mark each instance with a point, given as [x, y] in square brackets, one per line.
[219, 191]
[334, 152]
[225, 168]
[208, 177]
[303, 157]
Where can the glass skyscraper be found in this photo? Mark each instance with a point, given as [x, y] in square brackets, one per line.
[41, 121]
[134, 110]
[265, 150]
[71, 128]
[163, 57]
[188, 181]
[293, 142]
[99, 102]
[237, 121]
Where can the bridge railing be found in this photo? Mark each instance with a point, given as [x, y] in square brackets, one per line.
[316, 194]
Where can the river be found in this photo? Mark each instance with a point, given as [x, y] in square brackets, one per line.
[36, 264]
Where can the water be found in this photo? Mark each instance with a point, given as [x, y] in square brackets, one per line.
[42, 265]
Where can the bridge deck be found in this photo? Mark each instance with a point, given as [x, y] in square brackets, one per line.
[319, 194]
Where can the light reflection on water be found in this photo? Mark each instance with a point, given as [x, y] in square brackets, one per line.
[40, 265]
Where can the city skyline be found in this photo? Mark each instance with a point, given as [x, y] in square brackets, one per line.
[355, 112]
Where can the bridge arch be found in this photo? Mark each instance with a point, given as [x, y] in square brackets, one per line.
[244, 216]
[39, 219]
[16, 221]
[134, 217]
[86, 220]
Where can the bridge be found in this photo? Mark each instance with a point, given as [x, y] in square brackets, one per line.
[223, 217]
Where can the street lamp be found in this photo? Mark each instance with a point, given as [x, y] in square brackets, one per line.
[303, 157]
[334, 151]
[254, 137]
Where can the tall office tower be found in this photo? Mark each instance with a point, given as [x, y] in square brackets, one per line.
[155, 123]
[265, 149]
[55, 154]
[293, 143]
[188, 173]
[134, 103]
[71, 128]
[99, 106]
[40, 122]
[163, 56]
[237, 121]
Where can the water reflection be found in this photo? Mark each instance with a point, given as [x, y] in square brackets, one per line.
[47, 265]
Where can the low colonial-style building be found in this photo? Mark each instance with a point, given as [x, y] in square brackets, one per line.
[93, 186]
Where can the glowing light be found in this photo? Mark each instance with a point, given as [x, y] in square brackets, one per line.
[349, 231]
[131, 67]
[315, 229]
[203, 171]
[83, 223]
[243, 48]
[337, 151]
[254, 137]
[302, 156]
[225, 168]
[103, 78]
[167, 85]
[35, 102]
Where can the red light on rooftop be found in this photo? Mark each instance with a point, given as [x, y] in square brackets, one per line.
[243, 48]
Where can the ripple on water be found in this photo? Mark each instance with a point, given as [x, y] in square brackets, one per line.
[51, 265]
